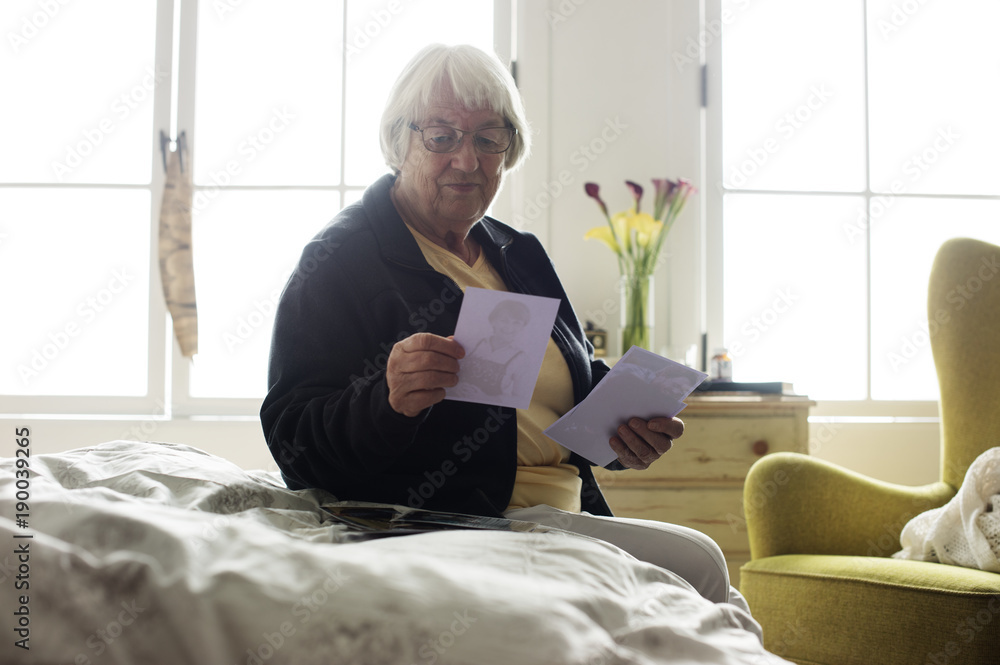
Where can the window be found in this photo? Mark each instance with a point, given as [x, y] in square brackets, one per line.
[77, 199]
[280, 103]
[855, 138]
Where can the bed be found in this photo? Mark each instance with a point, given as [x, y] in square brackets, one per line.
[133, 552]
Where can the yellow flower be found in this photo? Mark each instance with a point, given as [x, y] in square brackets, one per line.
[636, 237]
[639, 228]
[646, 228]
[622, 230]
[603, 233]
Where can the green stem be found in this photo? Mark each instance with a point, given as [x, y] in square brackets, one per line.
[636, 315]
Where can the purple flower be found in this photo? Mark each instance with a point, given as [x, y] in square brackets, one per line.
[593, 191]
[687, 187]
[636, 192]
[663, 195]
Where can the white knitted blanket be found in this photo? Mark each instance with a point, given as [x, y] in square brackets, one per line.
[966, 530]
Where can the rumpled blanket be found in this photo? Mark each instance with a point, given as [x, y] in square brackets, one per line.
[162, 553]
[966, 530]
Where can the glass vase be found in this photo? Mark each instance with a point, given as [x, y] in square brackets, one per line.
[636, 327]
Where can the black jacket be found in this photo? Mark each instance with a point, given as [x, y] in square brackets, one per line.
[361, 285]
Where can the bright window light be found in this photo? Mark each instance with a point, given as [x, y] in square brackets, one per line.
[854, 145]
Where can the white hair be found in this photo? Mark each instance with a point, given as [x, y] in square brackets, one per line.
[478, 80]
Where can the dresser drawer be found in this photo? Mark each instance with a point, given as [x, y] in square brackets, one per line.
[699, 483]
[718, 513]
[716, 449]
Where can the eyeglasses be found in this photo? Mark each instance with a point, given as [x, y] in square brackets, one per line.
[489, 140]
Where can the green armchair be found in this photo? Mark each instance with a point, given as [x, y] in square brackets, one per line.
[822, 581]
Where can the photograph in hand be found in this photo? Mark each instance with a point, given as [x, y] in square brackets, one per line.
[504, 336]
[642, 384]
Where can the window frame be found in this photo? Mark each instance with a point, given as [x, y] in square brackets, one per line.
[154, 402]
[860, 411]
[168, 372]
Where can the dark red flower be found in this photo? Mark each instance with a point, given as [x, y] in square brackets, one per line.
[593, 191]
[636, 192]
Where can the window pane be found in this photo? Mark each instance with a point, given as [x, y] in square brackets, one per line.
[268, 93]
[904, 241]
[79, 81]
[246, 244]
[793, 95]
[75, 268]
[379, 44]
[934, 96]
[353, 196]
[795, 306]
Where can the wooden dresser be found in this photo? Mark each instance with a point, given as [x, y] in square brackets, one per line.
[699, 483]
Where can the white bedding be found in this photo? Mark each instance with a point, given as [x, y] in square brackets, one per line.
[161, 553]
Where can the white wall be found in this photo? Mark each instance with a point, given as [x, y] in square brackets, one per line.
[602, 92]
[238, 440]
[904, 453]
[907, 453]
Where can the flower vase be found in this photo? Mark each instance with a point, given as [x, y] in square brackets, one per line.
[636, 312]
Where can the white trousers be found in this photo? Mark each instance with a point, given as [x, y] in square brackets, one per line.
[688, 553]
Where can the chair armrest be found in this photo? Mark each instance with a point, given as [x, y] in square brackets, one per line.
[796, 504]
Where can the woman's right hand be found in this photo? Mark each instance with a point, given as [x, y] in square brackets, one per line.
[419, 369]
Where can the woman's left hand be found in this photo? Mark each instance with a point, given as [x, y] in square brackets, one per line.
[639, 442]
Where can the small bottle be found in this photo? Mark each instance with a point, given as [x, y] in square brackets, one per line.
[722, 366]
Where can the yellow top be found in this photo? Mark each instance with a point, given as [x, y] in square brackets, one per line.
[544, 475]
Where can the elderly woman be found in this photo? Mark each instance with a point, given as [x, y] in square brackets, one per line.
[362, 353]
